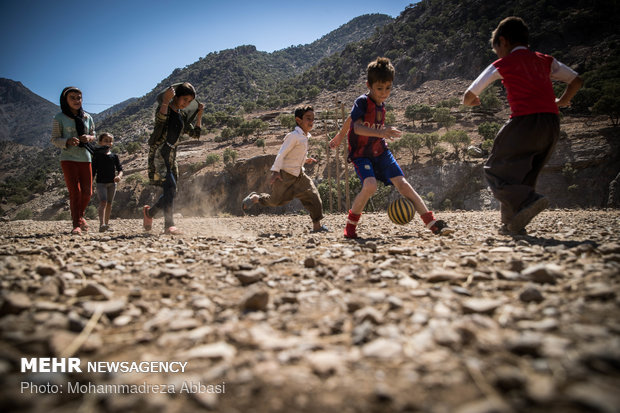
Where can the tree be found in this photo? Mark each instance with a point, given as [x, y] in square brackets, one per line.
[229, 156]
[419, 112]
[260, 143]
[287, 120]
[458, 139]
[443, 117]
[489, 100]
[413, 142]
[431, 140]
[609, 104]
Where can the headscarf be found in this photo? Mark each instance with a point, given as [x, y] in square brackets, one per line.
[80, 127]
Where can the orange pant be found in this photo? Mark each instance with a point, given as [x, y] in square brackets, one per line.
[79, 180]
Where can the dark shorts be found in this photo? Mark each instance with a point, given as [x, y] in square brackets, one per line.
[106, 192]
[383, 168]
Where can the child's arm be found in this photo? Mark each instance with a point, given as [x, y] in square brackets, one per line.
[572, 88]
[337, 140]
[470, 99]
[119, 169]
[168, 95]
[488, 76]
[385, 132]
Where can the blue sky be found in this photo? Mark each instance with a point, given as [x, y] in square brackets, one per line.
[117, 49]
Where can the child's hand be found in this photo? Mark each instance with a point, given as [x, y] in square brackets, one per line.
[275, 176]
[311, 160]
[201, 107]
[73, 141]
[391, 132]
[336, 141]
[86, 138]
[561, 103]
[168, 95]
[117, 179]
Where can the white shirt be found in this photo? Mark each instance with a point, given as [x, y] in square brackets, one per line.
[292, 153]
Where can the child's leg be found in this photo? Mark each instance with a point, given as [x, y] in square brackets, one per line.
[309, 196]
[520, 150]
[102, 194]
[70, 172]
[406, 190]
[436, 226]
[282, 192]
[369, 187]
[85, 180]
[111, 192]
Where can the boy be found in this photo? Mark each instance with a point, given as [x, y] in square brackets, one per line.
[524, 144]
[170, 122]
[105, 166]
[369, 153]
[288, 179]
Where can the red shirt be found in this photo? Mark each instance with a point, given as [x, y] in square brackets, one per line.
[526, 77]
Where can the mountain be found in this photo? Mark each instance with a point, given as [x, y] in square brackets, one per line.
[98, 117]
[436, 40]
[243, 76]
[25, 117]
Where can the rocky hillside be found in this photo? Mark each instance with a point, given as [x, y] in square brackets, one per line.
[244, 76]
[25, 117]
[283, 320]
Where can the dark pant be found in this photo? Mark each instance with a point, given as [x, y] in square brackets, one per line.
[521, 148]
[79, 180]
[166, 201]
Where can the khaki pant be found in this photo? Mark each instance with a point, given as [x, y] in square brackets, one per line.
[291, 186]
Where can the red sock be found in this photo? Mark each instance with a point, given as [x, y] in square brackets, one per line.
[352, 221]
[429, 220]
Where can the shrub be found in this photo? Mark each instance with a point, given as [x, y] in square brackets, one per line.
[488, 130]
[287, 120]
[133, 147]
[229, 156]
[136, 178]
[487, 145]
[25, 213]
[458, 139]
[62, 216]
[212, 158]
[91, 212]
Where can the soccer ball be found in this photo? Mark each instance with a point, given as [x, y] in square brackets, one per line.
[401, 211]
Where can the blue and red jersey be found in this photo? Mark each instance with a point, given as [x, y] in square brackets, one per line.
[373, 116]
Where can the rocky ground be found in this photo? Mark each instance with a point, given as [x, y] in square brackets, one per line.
[283, 320]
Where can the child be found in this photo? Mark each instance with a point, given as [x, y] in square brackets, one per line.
[288, 179]
[369, 153]
[105, 166]
[72, 130]
[170, 122]
[524, 144]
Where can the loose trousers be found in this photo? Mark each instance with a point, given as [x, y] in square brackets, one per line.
[291, 187]
[521, 149]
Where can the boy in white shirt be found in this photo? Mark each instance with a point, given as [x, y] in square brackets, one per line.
[288, 179]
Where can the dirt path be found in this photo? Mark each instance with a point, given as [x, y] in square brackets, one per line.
[271, 318]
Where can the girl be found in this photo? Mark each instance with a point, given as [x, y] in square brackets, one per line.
[73, 130]
[170, 122]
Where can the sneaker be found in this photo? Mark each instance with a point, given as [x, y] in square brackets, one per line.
[103, 228]
[173, 231]
[323, 228]
[527, 213]
[350, 234]
[503, 230]
[247, 202]
[83, 225]
[441, 228]
[147, 221]
[76, 231]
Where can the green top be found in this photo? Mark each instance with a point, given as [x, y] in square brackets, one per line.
[63, 128]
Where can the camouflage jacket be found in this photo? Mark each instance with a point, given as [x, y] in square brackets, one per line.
[163, 155]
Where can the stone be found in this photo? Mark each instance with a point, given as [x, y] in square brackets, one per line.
[251, 276]
[14, 303]
[256, 300]
[480, 305]
[46, 270]
[531, 294]
[543, 273]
